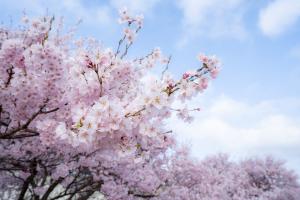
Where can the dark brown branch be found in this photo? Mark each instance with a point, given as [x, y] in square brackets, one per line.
[51, 188]
[10, 72]
[141, 195]
[135, 113]
[28, 181]
[91, 191]
[11, 134]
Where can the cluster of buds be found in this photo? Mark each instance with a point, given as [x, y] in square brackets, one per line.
[188, 74]
[129, 35]
[89, 62]
[102, 59]
[125, 17]
[211, 63]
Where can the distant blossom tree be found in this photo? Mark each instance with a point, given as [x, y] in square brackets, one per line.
[78, 119]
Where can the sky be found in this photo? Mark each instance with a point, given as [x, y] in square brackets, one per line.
[253, 107]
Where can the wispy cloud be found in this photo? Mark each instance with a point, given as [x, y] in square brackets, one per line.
[244, 129]
[141, 6]
[278, 16]
[99, 14]
[213, 18]
[96, 13]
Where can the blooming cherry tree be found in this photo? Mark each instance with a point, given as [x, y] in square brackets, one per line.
[77, 118]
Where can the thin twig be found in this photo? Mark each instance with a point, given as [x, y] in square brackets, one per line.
[166, 68]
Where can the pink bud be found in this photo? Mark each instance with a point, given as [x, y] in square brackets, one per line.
[204, 83]
[185, 75]
[214, 72]
[170, 86]
[104, 60]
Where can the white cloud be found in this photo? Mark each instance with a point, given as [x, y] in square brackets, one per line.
[99, 14]
[242, 129]
[141, 6]
[279, 16]
[214, 18]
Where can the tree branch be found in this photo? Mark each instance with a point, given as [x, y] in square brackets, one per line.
[28, 180]
[11, 134]
[51, 188]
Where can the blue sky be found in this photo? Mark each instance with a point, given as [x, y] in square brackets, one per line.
[253, 107]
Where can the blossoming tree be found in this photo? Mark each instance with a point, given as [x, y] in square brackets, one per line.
[77, 118]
